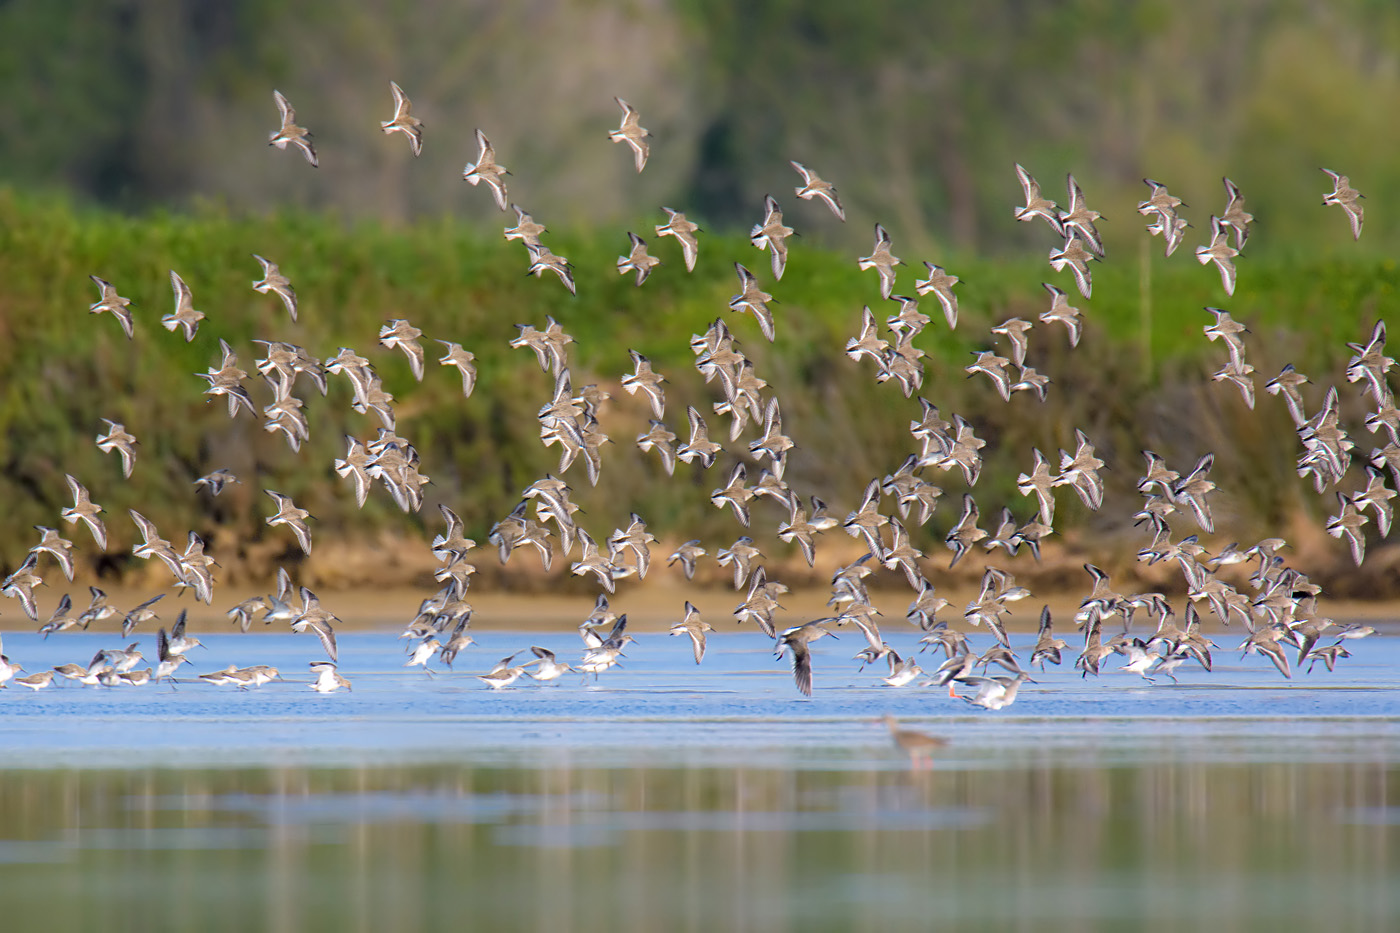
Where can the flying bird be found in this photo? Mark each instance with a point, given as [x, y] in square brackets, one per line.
[814, 187]
[632, 133]
[290, 132]
[404, 121]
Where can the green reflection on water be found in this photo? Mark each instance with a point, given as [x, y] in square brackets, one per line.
[1187, 846]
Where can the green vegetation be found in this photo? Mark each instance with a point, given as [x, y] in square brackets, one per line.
[1126, 386]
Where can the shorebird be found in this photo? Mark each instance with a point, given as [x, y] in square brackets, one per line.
[1376, 498]
[54, 544]
[687, 554]
[1078, 221]
[1348, 199]
[423, 653]
[797, 640]
[694, 627]
[996, 692]
[909, 320]
[1191, 490]
[85, 510]
[89, 676]
[278, 284]
[1327, 655]
[1062, 312]
[294, 518]
[404, 121]
[735, 494]
[216, 481]
[814, 187]
[1047, 646]
[882, 261]
[993, 366]
[1081, 471]
[328, 679]
[902, 670]
[109, 300]
[98, 609]
[637, 259]
[1220, 252]
[602, 617]
[227, 381]
[290, 132]
[1241, 374]
[548, 668]
[153, 545]
[599, 658]
[1140, 658]
[464, 360]
[962, 536]
[8, 669]
[1037, 205]
[1371, 364]
[458, 640]
[400, 333]
[866, 520]
[754, 299]
[121, 660]
[142, 613]
[195, 566]
[772, 234]
[228, 675]
[901, 554]
[1265, 640]
[488, 170]
[684, 231]
[180, 642]
[699, 447]
[868, 342]
[594, 561]
[549, 352]
[663, 440]
[1163, 204]
[1234, 216]
[1014, 330]
[633, 134]
[525, 229]
[1172, 230]
[941, 284]
[242, 614]
[634, 538]
[542, 261]
[647, 381]
[119, 440]
[62, 619]
[1074, 255]
[318, 620]
[1226, 328]
[35, 682]
[1348, 523]
[184, 315]
[919, 746]
[1160, 201]
[1040, 482]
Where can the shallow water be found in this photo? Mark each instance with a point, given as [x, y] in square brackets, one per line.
[671, 796]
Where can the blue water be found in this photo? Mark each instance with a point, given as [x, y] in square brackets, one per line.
[666, 796]
[739, 704]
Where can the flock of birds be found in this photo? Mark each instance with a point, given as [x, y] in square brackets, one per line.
[1276, 605]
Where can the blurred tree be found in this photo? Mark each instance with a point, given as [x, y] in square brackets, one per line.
[916, 114]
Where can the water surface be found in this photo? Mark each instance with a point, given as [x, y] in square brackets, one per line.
[671, 796]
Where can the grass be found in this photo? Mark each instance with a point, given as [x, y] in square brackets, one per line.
[1138, 379]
